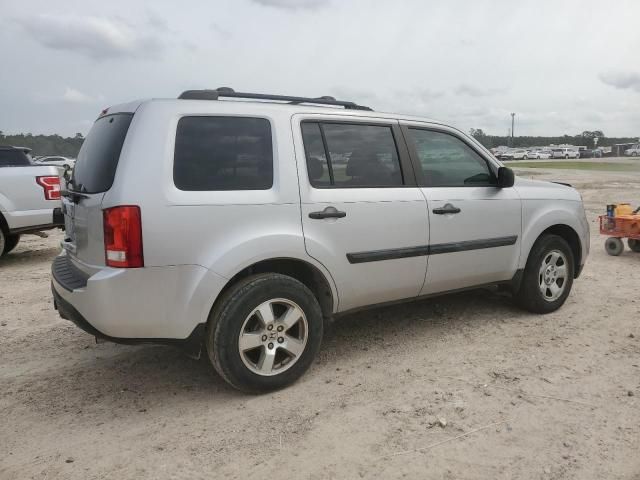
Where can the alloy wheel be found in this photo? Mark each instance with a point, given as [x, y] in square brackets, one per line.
[552, 276]
[273, 337]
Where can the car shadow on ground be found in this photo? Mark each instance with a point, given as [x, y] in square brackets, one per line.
[24, 257]
[111, 377]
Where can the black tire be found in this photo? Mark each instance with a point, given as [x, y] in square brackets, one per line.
[613, 246]
[634, 245]
[529, 296]
[10, 243]
[235, 306]
[3, 240]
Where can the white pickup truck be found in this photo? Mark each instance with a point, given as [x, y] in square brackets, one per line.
[29, 197]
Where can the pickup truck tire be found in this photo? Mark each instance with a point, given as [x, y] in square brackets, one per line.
[634, 245]
[10, 243]
[548, 275]
[264, 332]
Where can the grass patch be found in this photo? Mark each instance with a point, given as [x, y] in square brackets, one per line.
[604, 166]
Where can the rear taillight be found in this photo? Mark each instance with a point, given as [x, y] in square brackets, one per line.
[51, 187]
[123, 237]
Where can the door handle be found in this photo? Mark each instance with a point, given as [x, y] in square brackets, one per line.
[329, 212]
[448, 208]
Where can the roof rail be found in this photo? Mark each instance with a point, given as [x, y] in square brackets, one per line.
[230, 93]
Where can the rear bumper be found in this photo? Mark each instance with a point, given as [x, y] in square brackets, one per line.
[193, 343]
[137, 305]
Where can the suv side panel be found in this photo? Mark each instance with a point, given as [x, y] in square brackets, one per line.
[481, 242]
[379, 221]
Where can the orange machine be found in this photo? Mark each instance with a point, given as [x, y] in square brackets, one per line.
[621, 221]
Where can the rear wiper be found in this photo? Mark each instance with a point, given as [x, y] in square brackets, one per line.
[74, 195]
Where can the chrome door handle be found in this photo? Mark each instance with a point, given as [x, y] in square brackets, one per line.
[329, 212]
[448, 208]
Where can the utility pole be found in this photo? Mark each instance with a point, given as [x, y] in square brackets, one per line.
[513, 116]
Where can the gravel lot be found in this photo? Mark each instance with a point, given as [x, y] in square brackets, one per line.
[389, 394]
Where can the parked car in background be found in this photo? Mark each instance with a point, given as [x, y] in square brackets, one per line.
[634, 151]
[565, 153]
[532, 153]
[506, 155]
[29, 197]
[540, 154]
[589, 153]
[276, 237]
[58, 161]
[519, 154]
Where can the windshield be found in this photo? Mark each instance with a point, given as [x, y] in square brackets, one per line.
[98, 158]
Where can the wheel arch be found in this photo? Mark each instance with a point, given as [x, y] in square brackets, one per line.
[573, 239]
[320, 284]
[570, 235]
[3, 224]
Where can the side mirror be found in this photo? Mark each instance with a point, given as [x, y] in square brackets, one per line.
[506, 178]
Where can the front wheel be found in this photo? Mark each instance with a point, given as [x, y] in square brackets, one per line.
[634, 245]
[548, 275]
[264, 332]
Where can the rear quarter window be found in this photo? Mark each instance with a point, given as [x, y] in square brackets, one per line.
[223, 153]
[98, 158]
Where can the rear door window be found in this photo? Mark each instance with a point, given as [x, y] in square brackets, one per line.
[98, 158]
[223, 153]
[343, 155]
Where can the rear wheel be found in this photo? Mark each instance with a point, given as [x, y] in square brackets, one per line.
[548, 275]
[264, 332]
[614, 246]
[10, 243]
[3, 240]
[634, 245]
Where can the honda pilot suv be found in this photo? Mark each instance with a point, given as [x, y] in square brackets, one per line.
[240, 224]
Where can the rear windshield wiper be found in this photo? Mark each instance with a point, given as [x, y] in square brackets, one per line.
[73, 194]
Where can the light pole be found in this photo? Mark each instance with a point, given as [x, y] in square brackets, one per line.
[513, 116]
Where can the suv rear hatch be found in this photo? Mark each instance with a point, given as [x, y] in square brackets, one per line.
[93, 175]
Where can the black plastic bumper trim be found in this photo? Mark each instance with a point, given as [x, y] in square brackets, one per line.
[67, 275]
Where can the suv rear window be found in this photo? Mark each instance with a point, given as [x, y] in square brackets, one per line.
[13, 158]
[223, 153]
[98, 158]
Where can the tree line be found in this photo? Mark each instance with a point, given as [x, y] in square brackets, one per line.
[70, 146]
[45, 144]
[585, 138]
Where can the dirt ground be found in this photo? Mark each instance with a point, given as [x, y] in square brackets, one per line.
[392, 394]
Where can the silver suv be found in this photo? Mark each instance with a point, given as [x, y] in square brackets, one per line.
[245, 226]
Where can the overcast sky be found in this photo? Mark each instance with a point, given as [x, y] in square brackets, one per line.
[562, 66]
